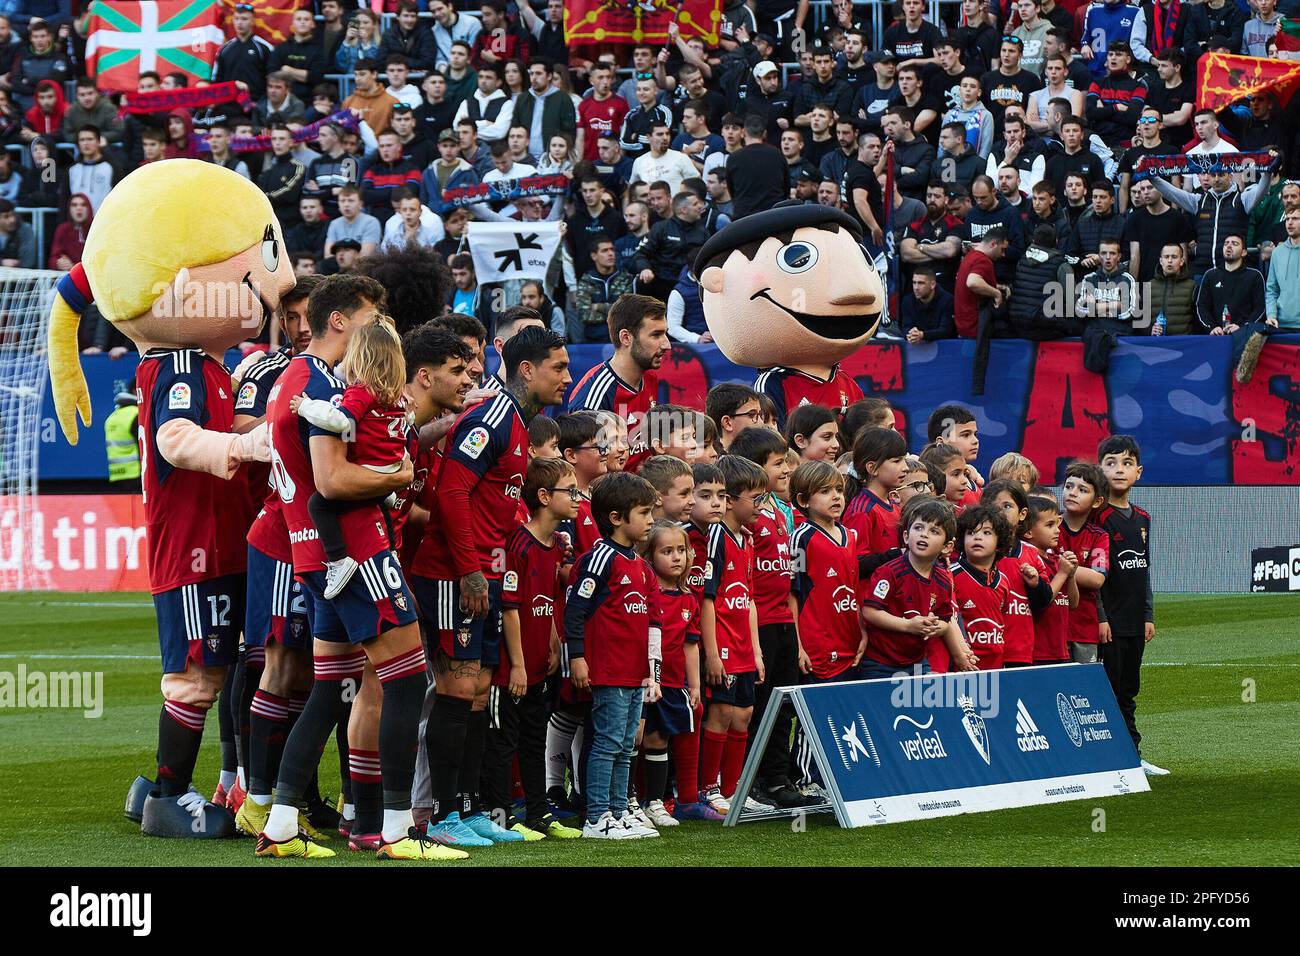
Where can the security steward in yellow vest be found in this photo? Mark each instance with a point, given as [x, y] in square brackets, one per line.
[121, 438]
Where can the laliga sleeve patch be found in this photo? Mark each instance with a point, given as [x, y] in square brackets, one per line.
[708, 569]
[587, 588]
[247, 396]
[179, 397]
[882, 589]
[473, 444]
[510, 582]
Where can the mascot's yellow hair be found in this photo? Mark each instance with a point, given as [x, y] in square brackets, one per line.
[162, 218]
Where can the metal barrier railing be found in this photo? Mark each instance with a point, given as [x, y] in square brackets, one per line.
[37, 215]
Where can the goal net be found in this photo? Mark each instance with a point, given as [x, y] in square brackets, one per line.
[25, 297]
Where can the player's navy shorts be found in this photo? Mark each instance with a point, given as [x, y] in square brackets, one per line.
[201, 623]
[460, 636]
[376, 599]
[276, 611]
[738, 691]
[671, 714]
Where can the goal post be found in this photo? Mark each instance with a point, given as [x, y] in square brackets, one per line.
[25, 297]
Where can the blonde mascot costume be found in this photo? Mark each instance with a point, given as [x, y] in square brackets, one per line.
[186, 259]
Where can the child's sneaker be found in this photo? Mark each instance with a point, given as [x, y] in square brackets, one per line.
[714, 798]
[636, 813]
[1151, 770]
[337, 576]
[695, 811]
[751, 805]
[659, 816]
[606, 828]
[635, 828]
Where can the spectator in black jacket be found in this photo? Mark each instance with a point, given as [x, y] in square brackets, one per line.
[989, 210]
[309, 234]
[40, 60]
[1044, 211]
[926, 313]
[283, 179]
[409, 37]
[1231, 295]
[1101, 222]
[300, 57]
[756, 173]
[913, 156]
[822, 87]
[670, 245]
[245, 57]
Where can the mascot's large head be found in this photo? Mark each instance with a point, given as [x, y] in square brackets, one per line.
[182, 253]
[790, 286]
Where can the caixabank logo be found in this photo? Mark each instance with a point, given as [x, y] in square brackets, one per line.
[1275, 569]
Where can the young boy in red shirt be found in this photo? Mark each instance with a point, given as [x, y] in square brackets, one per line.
[1083, 494]
[671, 479]
[581, 447]
[1023, 569]
[980, 590]
[1052, 623]
[708, 505]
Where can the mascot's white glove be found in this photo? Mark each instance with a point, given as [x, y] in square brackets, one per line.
[249, 360]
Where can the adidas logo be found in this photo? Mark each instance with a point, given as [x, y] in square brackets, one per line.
[830, 573]
[730, 566]
[1028, 736]
[586, 521]
[968, 605]
[765, 532]
[626, 580]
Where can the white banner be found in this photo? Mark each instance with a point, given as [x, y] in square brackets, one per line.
[509, 250]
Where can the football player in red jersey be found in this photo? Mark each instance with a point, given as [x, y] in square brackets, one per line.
[531, 598]
[1083, 495]
[1052, 624]
[880, 460]
[626, 384]
[458, 569]
[374, 611]
[1028, 582]
[909, 602]
[778, 634]
[980, 590]
[733, 656]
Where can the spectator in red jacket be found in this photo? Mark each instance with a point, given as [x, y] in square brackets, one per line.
[70, 236]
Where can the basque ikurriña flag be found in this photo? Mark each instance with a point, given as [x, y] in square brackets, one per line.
[166, 36]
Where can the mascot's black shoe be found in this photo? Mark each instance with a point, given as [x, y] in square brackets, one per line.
[188, 816]
[141, 787]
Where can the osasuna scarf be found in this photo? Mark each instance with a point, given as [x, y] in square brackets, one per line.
[303, 134]
[505, 190]
[1182, 164]
[187, 97]
[1166, 22]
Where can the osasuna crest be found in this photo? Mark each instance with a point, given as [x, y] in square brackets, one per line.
[214, 643]
[463, 636]
[975, 729]
[400, 601]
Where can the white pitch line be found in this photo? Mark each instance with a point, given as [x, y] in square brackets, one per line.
[83, 603]
[1215, 664]
[79, 657]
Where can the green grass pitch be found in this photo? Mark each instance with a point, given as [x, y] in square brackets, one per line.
[1235, 763]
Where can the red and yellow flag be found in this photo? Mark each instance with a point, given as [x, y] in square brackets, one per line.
[1226, 78]
[272, 19]
[640, 21]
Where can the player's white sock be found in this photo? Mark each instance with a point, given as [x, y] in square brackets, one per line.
[243, 781]
[261, 799]
[559, 742]
[227, 780]
[282, 824]
[396, 825]
[349, 811]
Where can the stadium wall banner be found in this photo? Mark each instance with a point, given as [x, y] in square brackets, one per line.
[1177, 395]
[1275, 569]
[87, 542]
[936, 745]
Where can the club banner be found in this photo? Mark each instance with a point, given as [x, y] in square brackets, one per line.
[272, 19]
[1226, 78]
[189, 97]
[1177, 395]
[1182, 164]
[1275, 569]
[124, 40]
[507, 190]
[640, 21]
[512, 250]
[937, 745]
[303, 134]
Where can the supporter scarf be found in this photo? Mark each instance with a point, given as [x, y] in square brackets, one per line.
[1183, 164]
[505, 190]
[1166, 21]
[303, 134]
[187, 97]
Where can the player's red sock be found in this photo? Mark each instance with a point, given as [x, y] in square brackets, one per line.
[686, 765]
[733, 760]
[269, 728]
[367, 790]
[711, 757]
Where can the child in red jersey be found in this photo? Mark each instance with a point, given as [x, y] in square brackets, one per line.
[613, 637]
[1023, 569]
[880, 462]
[582, 448]
[543, 438]
[955, 425]
[671, 479]
[708, 505]
[949, 460]
[1052, 623]
[613, 435]
[908, 603]
[674, 719]
[778, 634]
[813, 432]
[530, 598]
[1084, 493]
[979, 589]
[372, 418]
[733, 657]
[672, 430]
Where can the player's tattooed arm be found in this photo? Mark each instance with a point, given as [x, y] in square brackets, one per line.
[474, 593]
